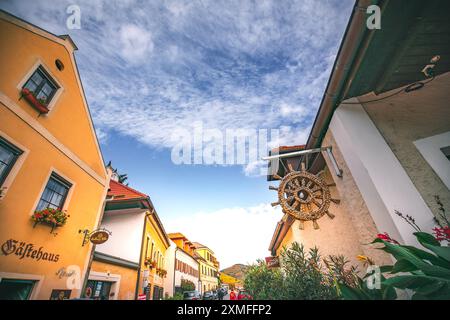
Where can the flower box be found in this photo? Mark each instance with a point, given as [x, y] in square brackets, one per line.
[52, 217]
[161, 272]
[34, 102]
[148, 262]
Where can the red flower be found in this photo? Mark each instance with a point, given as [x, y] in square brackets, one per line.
[442, 234]
[386, 237]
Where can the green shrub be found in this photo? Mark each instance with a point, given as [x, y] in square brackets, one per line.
[300, 277]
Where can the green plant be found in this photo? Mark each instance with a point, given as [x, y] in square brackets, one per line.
[425, 272]
[263, 283]
[301, 275]
[340, 271]
[429, 271]
[55, 217]
[176, 296]
[305, 277]
[187, 285]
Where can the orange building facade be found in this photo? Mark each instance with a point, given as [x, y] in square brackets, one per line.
[46, 166]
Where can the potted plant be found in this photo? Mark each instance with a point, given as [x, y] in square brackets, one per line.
[49, 216]
[39, 104]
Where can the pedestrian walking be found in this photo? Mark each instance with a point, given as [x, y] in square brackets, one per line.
[220, 294]
[232, 295]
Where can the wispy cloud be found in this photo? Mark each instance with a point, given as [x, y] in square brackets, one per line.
[152, 67]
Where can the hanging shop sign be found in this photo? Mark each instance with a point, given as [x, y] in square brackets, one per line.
[24, 250]
[98, 236]
[272, 262]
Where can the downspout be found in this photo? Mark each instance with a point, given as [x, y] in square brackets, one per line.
[99, 223]
[350, 56]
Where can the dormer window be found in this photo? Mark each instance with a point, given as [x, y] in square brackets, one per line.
[39, 90]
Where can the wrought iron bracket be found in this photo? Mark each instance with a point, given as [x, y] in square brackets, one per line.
[87, 234]
[327, 150]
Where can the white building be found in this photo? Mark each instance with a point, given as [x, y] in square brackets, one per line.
[385, 115]
[180, 264]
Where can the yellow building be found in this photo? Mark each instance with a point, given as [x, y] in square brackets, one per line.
[232, 282]
[131, 264]
[209, 268]
[49, 158]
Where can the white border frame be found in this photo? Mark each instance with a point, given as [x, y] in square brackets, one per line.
[69, 194]
[17, 165]
[24, 276]
[430, 149]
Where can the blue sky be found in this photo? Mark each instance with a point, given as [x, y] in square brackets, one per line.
[152, 67]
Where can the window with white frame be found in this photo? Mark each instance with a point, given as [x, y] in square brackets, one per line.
[41, 85]
[55, 193]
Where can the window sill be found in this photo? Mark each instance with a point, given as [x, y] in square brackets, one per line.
[31, 99]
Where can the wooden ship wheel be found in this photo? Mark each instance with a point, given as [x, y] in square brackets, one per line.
[304, 196]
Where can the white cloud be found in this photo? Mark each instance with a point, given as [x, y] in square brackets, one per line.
[136, 43]
[236, 235]
[229, 64]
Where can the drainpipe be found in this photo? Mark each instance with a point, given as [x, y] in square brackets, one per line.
[99, 223]
[350, 55]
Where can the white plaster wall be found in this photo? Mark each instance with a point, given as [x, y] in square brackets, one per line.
[169, 259]
[125, 240]
[353, 205]
[430, 148]
[380, 177]
[184, 257]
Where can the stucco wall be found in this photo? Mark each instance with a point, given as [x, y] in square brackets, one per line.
[408, 117]
[184, 257]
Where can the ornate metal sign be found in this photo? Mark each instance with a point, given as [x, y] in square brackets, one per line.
[304, 196]
[98, 236]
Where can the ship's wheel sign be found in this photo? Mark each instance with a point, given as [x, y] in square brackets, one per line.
[304, 196]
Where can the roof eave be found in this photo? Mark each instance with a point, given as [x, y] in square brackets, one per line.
[349, 52]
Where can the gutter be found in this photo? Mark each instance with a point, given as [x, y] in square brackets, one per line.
[174, 269]
[351, 52]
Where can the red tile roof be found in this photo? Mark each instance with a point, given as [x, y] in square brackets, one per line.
[289, 148]
[122, 192]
